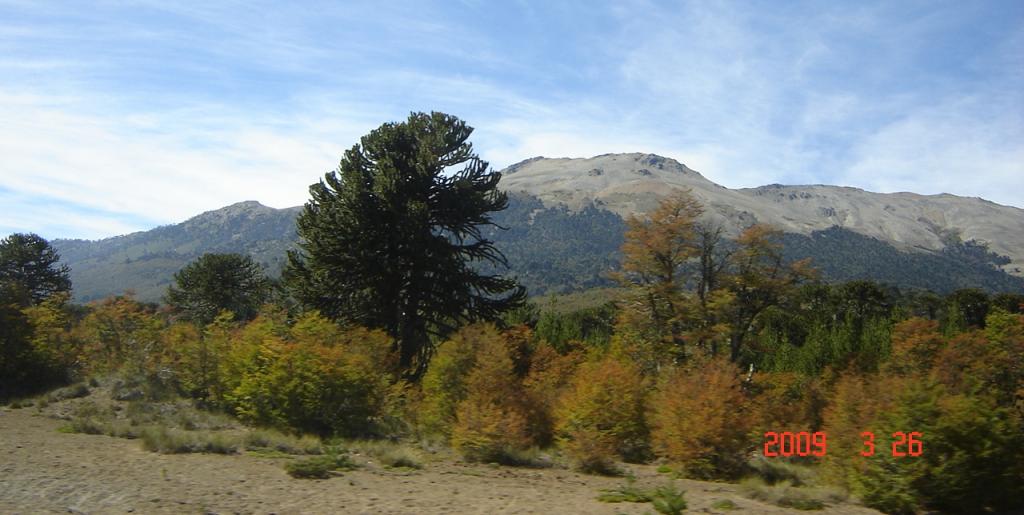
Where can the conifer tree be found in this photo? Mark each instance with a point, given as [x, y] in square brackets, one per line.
[29, 270]
[218, 282]
[392, 239]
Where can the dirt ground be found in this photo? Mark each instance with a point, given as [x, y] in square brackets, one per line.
[45, 471]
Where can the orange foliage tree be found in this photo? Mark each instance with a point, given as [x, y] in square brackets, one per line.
[699, 420]
[492, 420]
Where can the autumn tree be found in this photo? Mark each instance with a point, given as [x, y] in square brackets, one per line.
[654, 254]
[698, 420]
[492, 421]
[602, 417]
[761, 279]
[393, 238]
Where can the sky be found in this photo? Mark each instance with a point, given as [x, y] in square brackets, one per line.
[121, 116]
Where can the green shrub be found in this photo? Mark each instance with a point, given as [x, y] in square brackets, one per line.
[628, 492]
[320, 467]
[724, 505]
[668, 500]
[972, 459]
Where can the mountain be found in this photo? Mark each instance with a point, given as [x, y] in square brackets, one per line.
[564, 226]
[632, 183]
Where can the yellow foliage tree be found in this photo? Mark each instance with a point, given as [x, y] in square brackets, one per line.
[444, 384]
[601, 417]
[122, 334]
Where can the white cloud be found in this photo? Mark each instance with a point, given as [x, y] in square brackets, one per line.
[946, 149]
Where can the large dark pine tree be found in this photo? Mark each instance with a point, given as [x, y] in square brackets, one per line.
[217, 282]
[391, 239]
[30, 270]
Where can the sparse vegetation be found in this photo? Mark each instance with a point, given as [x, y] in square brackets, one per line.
[388, 453]
[666, 499]
[787, 495]
[333, 461]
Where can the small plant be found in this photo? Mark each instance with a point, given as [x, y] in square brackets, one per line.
[320, 467]
[668, 500]
[75, 391]
[628, 492]
[388, 453]
[724, 505]
[665, 499]
[774, 471]
[22, 403]
[787, 495]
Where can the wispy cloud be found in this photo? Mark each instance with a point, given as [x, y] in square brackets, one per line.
[124, 116]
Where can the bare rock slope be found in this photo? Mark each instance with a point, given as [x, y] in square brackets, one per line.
[632, 183]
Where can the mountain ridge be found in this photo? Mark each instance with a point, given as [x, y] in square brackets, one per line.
[565, 233]
[904, 219]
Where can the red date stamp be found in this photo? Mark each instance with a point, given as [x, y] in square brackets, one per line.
[805, 443]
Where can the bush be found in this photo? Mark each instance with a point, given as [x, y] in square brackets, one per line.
[973, 456]
[601, 418]
[122, 335]
[856, 402]
[785, 401]
[491, 422]
[698, 420]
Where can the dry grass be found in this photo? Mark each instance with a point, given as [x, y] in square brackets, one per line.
[388, 453]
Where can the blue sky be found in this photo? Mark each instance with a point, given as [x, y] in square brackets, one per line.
[120, 116]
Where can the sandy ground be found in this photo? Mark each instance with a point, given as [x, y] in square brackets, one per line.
[45, 471]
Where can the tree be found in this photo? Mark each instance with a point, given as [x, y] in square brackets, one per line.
[29, 270]
[392, 239]
[761, 280]
[654, 253]
[218, 282]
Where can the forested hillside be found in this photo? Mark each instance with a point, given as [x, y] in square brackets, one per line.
[145, 262]
[551, 249]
